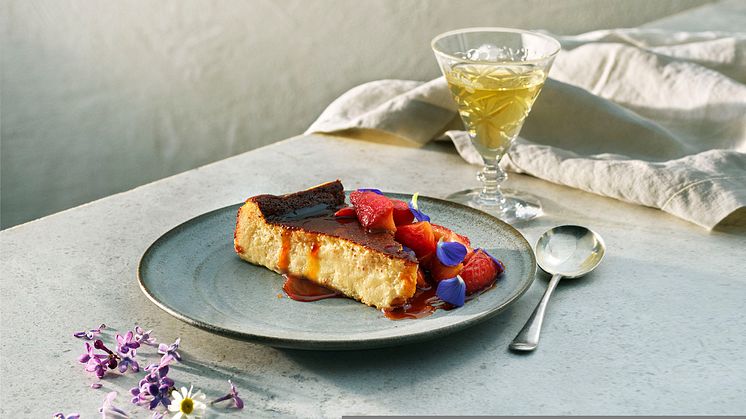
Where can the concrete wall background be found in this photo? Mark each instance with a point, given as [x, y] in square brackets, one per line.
[99, 97]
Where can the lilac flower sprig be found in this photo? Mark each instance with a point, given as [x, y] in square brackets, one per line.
[89, 334]
[127, 343]
[155, 389]
[415, 209]
[155, 386]
[128, 362]
[232, 395]
[142, 337]
[170, 350]
[112, 357]
[94, 362]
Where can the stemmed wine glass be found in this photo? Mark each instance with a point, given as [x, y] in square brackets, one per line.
[495, 75]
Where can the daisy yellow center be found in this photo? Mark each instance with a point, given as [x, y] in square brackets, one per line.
[187, 405]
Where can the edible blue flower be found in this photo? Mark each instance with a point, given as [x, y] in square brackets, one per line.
[418, 215]
[452, 291]
[375, 191]
[450, 253]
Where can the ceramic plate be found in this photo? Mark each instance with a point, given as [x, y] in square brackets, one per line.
[193, 273]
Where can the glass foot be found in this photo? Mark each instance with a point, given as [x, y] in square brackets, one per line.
[517, 206]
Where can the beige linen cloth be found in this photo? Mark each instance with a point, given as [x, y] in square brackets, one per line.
[651, 117]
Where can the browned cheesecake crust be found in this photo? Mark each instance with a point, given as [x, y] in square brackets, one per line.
[312, 210]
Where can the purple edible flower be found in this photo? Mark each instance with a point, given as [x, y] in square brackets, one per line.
[94, 362]
[60, 415]
[450, 253]
[96, 386]
[160, 395]
[375, 191]
[90, 354]
[90, 334]
[108, 410]
[113, 358]
[97, 365]
[500, 266]
[414, 208]
[452, 291]
[130, 362]
[170, 350]
[143, 337]
[232, 395]
[126, 343]
[156, 376]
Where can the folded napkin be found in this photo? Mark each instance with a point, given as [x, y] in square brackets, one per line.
[651, 117]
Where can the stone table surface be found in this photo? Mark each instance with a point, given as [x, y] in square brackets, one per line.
[658, 328]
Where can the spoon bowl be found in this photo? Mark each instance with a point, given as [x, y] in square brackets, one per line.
[565, 251]
[571, 251]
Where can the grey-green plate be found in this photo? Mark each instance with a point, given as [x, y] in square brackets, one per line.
[193, 273]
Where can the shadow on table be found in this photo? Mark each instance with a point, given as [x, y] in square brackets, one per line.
[453, 351]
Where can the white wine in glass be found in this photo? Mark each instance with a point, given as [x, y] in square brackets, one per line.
[495, 75]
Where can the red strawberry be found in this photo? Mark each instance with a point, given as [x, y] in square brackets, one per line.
[439, 271]
[479, 271]
[346, 212]
[402, 214]
[449, 236]
[375, 212]
[418, 237]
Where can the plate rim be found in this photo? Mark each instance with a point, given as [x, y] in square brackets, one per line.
[336, 344]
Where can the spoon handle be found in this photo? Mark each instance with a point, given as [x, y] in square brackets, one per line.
[528, 338]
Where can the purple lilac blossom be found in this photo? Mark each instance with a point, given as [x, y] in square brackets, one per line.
[143, 337]
[232, 395]
[160, 395]
[127, 343]
[130, 362]
[170, 350]
[90, 334]
[94, 362]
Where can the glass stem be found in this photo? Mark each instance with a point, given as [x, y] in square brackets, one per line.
[491, 176]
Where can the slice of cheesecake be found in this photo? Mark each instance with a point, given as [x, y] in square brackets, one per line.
[297, 234]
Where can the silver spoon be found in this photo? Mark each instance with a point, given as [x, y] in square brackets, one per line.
[564, 251]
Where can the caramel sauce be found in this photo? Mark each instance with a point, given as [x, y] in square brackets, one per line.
[313, 262]
[301, 289]
[422, 304]
[283, 262]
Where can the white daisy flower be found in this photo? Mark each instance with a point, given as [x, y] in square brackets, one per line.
[186, 404]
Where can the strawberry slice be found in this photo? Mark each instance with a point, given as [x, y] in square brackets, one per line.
[346, 212]
[418, 237]
[402, 214]
[479, 271]
[374, 211]
[448, 235]
[439, 271]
